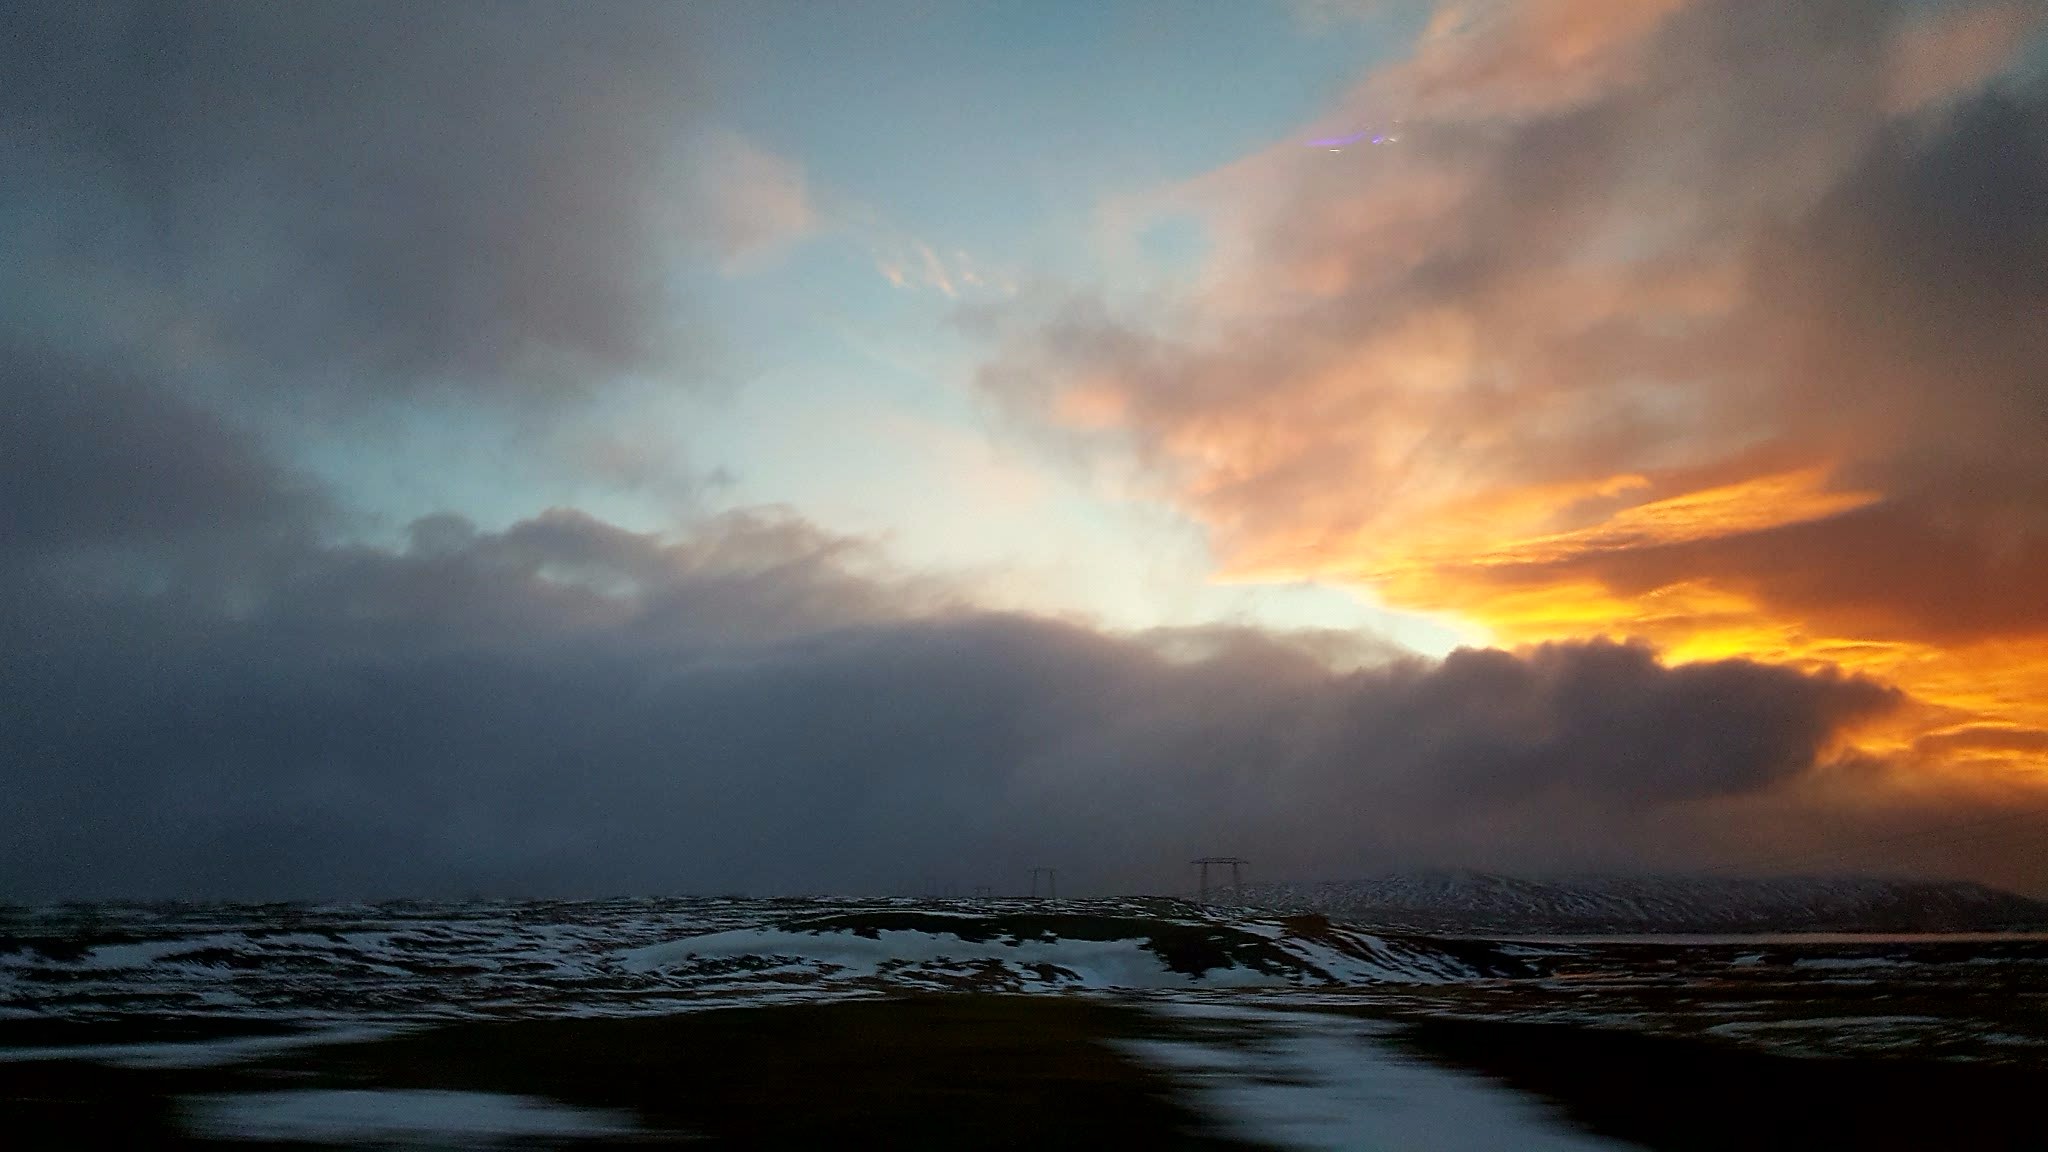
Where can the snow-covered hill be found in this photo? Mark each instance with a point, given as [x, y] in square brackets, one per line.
[1483, 902]
[1080, 946]
[347, 964]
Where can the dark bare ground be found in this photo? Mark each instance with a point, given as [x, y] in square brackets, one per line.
[976, 1071]
[930, 1072]
[1687, 1093]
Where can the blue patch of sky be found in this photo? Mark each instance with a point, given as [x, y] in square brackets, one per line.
[993, 129]
[985, 122]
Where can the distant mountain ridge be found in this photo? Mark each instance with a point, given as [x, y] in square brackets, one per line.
[1448, 901]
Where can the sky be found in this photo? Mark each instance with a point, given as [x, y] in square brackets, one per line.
[547, 449]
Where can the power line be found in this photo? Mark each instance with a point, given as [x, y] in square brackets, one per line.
[1234, 863]
[1052, 882]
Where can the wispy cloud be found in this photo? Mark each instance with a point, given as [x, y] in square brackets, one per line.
[757, 204]
[913, 264]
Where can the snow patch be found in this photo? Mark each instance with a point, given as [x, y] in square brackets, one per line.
[1312, 1080]
[393, 1116]
[195, 1053]
[845, 955]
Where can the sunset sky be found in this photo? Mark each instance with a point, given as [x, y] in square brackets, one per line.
[776, 447]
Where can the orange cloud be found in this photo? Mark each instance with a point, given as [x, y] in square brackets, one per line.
[1641, 332]
[1489, 58]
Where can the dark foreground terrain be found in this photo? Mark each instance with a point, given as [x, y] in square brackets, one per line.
[1133, 1024]
[967, 1070]
[928, 1072]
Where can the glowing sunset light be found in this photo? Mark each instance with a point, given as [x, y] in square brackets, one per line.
[1595, 384]
[564, 449]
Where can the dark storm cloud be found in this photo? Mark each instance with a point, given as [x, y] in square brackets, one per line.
[569, 707]
[364, 196]
[1901, 324]
[93, 455]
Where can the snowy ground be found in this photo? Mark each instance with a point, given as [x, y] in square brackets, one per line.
[286, 970]
[1314, 1081]
[1296, 1031]
[423, 962]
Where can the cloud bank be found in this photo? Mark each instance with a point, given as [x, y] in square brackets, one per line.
[569, 708]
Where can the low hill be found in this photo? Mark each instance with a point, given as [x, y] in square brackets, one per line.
[1019, 947]
[1482, 902]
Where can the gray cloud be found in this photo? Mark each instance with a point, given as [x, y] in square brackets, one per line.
[360, 197]
[101, 464]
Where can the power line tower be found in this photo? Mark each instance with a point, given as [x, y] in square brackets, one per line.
[1052, 882]
[1235, 863]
